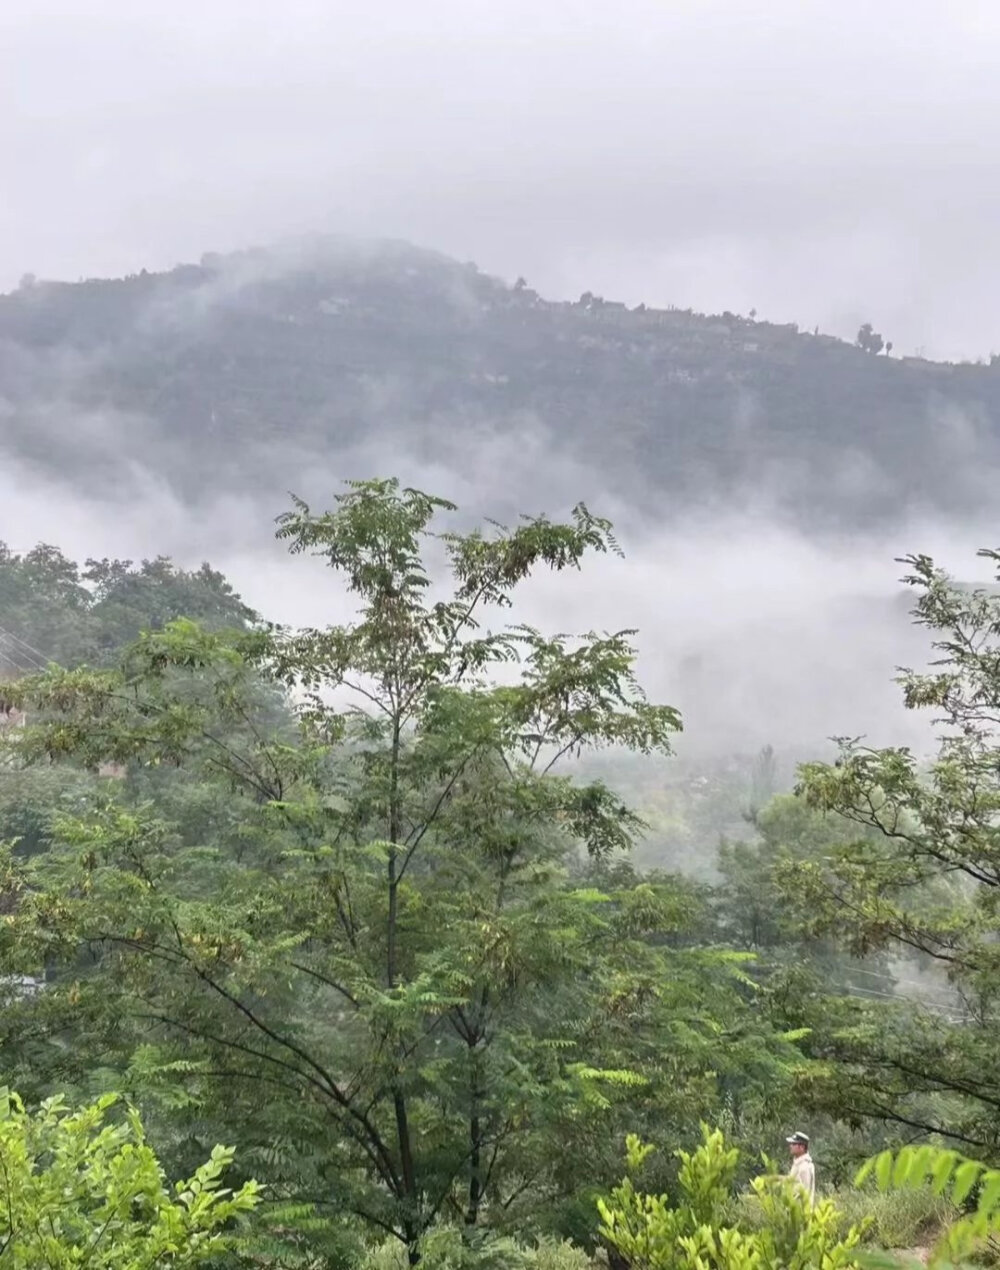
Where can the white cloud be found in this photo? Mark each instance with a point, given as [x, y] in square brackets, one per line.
[794, 158]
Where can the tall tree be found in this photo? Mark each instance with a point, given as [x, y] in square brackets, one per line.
[379, 962]
[921, 877]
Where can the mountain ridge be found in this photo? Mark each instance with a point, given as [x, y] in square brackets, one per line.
[260, 365]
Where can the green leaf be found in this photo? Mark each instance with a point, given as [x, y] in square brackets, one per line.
[943, 1170]
[902, 1169]
[965, 1179]
[884, 1170]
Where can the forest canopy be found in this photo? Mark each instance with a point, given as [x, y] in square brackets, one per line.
[352, 900]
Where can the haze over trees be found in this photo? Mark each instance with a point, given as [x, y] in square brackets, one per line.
[353, 901]
[476, 791]
[239, 374]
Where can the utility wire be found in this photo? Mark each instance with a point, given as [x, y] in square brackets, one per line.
[29, 652]
[868, 994]
[907, 983]
[13, 659]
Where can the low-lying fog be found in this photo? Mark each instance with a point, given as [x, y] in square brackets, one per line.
[759, 634]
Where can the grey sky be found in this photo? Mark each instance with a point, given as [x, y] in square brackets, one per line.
[824, 162]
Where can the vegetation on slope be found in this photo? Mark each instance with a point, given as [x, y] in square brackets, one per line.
[246, 370]
[343, 906]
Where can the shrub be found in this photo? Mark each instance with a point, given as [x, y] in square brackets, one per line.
[456, 1248]
[898, 1219]
[77, 1189]
[557, 1254]
[697, 1232]
[957, 1182]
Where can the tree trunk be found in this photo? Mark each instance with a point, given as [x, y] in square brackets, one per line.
[615, 1259]
[475, 1170]
[403, 1138]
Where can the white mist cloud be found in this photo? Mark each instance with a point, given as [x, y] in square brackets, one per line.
[790, 157]
[759, 634]
[761, 631]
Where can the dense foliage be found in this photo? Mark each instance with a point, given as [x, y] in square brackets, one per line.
[54, 610]
[696, 1231]
[919, 876]
[365, 901]
[79, 1189]
[395, 949]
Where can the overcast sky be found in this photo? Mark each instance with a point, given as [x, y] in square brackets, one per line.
[824, 161]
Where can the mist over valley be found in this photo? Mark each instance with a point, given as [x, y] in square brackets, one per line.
[499, 636]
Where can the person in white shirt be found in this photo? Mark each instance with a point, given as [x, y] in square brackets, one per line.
[802, 1170]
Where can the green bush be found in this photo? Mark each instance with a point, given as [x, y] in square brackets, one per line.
[894, 1219]
[969, 1188]
[81, 1189]
[898, 1219]
[388, 1255]
[696, 1229]
[453, 1248]
[557, 1254]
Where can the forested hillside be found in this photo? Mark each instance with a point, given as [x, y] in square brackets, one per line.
[250, 371]
[366, 903]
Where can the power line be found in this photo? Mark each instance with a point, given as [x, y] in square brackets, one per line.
[41, 660]
[13, 659]
[22, 655]
[908, 983]
[868, 994]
